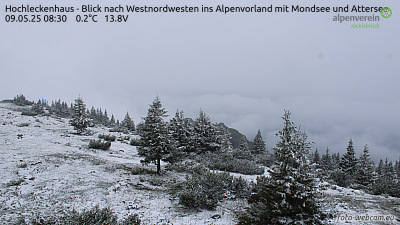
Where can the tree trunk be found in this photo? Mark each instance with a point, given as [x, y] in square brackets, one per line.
[158, 166]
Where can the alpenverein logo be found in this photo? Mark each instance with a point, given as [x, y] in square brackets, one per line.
[386, 12]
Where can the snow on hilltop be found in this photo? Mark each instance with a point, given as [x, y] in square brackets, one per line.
[47, 170]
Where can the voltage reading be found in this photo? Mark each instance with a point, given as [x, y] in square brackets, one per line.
[117, 18]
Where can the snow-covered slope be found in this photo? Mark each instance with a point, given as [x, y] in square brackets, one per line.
[349, 206]
[47, 170]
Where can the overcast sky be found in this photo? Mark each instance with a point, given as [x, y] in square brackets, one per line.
[241, 69]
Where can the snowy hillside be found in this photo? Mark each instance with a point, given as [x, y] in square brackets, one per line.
[47, 170]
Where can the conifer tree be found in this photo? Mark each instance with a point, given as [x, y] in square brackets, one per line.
[128, 123]
[100, 116]
[379, 168]
[93, 114]
[326, 162]
[316, 157]
[112, 120]
[71, 109]
[21, 100]
[243, 144]
[79, 120]
[206, 134]
[243, 152]
[397, 168]
[348, 164]
[224, 138]
[389, 170]
[384, 180]
[182, 132]
[335, 160]
[105, 120]
[156, 141]
[38, 108]
[258, 146]
[287, 196]
[365, 168]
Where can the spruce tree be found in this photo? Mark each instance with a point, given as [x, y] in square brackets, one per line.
[79, 120]
[128, 123]
[206, 134]
[100, 116]
[182, 132]
[243, 144]
[93, 113]
[379, 168]
[397, 167]
[348, 164]
[287, 196]
[365, 168]
[112, 120]
[258, 146]
[156, 141]
[224, 138]
[316, 157]
[335, 160]
[70, 110]
[390, 171]
[105, 120]
[38, 108]
[396, 188]
[385, 180]
[243, 152]
[326, 162]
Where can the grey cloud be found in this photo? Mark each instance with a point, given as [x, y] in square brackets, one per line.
[242, 69]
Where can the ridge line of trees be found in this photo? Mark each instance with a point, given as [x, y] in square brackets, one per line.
[359, 173]
[64, 110]
[200, 139]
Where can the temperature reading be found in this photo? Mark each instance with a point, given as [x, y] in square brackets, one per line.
[89, 13]
[117, 18]
[86, 18]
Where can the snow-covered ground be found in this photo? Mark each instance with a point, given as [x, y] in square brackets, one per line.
[50, 170]
[46, 169]
[346, 204]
